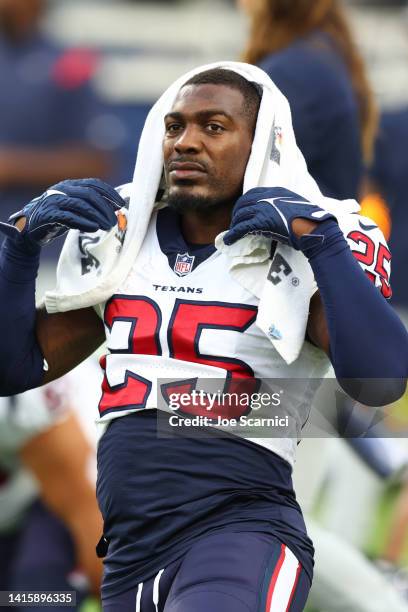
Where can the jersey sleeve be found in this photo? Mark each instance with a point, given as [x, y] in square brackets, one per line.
[369, 247]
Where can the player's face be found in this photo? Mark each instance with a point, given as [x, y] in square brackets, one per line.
[206, 146]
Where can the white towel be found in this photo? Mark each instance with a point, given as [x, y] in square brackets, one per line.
[275, 160]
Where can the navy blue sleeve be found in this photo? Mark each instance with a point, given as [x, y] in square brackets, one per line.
[21, 360]
[324, 113]
[368, 342]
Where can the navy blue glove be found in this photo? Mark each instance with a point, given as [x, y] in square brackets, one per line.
[270, 211]
[84, 204]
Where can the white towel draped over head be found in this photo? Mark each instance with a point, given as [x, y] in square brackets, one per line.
[284, 289]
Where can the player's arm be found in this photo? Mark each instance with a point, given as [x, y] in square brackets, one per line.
[60, 459]
[37, 347]
[366, 342]
[29, 336]
[352, 322]
[65, 339]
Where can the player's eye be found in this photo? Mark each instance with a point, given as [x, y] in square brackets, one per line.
[215, 128]
[173, 128]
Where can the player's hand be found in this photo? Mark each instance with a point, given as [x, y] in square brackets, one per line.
[271, 211]
[84, 204]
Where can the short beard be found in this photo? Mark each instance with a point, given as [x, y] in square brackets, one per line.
[183, 203]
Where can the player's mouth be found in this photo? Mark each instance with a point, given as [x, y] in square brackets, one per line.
[186, 170]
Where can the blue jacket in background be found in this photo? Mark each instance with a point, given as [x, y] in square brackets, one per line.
[313, 77]
[390, 173]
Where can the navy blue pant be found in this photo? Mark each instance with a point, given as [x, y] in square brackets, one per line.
[223, 572]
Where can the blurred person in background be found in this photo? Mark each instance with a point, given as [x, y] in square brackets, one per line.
[47, 105]
[389, 178]
[308, 51]
[49, 519]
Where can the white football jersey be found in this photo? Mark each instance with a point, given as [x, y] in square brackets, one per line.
[165, 325]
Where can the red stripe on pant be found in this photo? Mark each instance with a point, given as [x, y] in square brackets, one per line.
[275, 578]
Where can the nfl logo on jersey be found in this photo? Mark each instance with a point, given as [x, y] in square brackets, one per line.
[184, 264]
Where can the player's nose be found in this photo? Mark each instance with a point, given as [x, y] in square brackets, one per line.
[188, 141]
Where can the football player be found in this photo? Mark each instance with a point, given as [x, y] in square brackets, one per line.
[209, 523]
